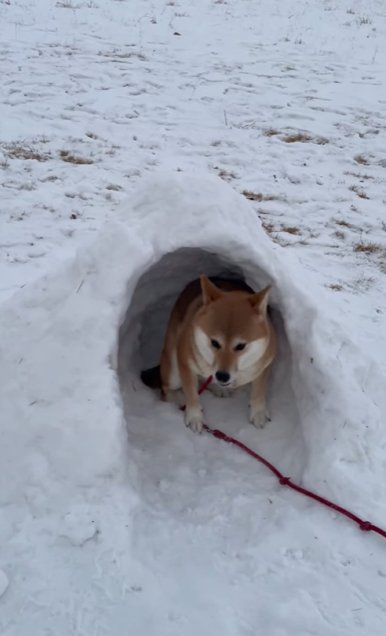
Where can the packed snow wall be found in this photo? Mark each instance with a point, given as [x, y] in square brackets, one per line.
[82, 334]
[325, 396]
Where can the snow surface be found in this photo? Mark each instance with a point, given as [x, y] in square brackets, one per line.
[114, 518]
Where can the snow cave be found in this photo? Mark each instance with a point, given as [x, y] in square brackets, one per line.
[102, 317]
[199, 224]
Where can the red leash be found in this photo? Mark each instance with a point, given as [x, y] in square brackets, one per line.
[366, 526]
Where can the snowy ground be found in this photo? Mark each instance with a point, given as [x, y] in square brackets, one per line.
[286, 101]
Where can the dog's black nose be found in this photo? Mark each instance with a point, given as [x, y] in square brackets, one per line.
[223, 377]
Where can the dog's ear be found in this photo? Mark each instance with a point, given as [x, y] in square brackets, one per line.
[259, 301]
[210, 292]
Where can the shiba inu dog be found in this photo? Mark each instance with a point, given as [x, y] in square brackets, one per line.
[218, 328]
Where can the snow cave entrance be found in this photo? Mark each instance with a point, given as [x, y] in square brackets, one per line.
[140, 343]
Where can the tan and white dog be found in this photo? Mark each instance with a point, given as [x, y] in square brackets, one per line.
[218, 328]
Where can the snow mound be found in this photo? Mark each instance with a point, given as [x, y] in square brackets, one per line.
[98, 477]
[326, 397]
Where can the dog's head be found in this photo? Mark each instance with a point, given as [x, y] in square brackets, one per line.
[231, 332]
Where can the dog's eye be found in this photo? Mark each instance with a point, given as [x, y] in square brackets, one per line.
[240, 346]
[215, 344]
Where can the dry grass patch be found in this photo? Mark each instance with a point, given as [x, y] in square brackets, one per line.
[226, 175]
[362, 284]
[290, 229]
[358, 175]
[68, 157]
[259, 196]
[67, 5]
[123, 55]
[18, 151]
[297, 138]
[364, 20]
[268, 227]
[344, 223]
[376, 252]
[270, 132]
[362, 160]
[367, 248]
[50, 178]
[302, 137]
[382, 262]
[360, 193]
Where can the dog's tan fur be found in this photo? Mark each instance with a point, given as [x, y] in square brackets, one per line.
[206, 325]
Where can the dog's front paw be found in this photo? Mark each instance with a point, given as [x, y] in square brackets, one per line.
[193, 419]
[258, 415]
